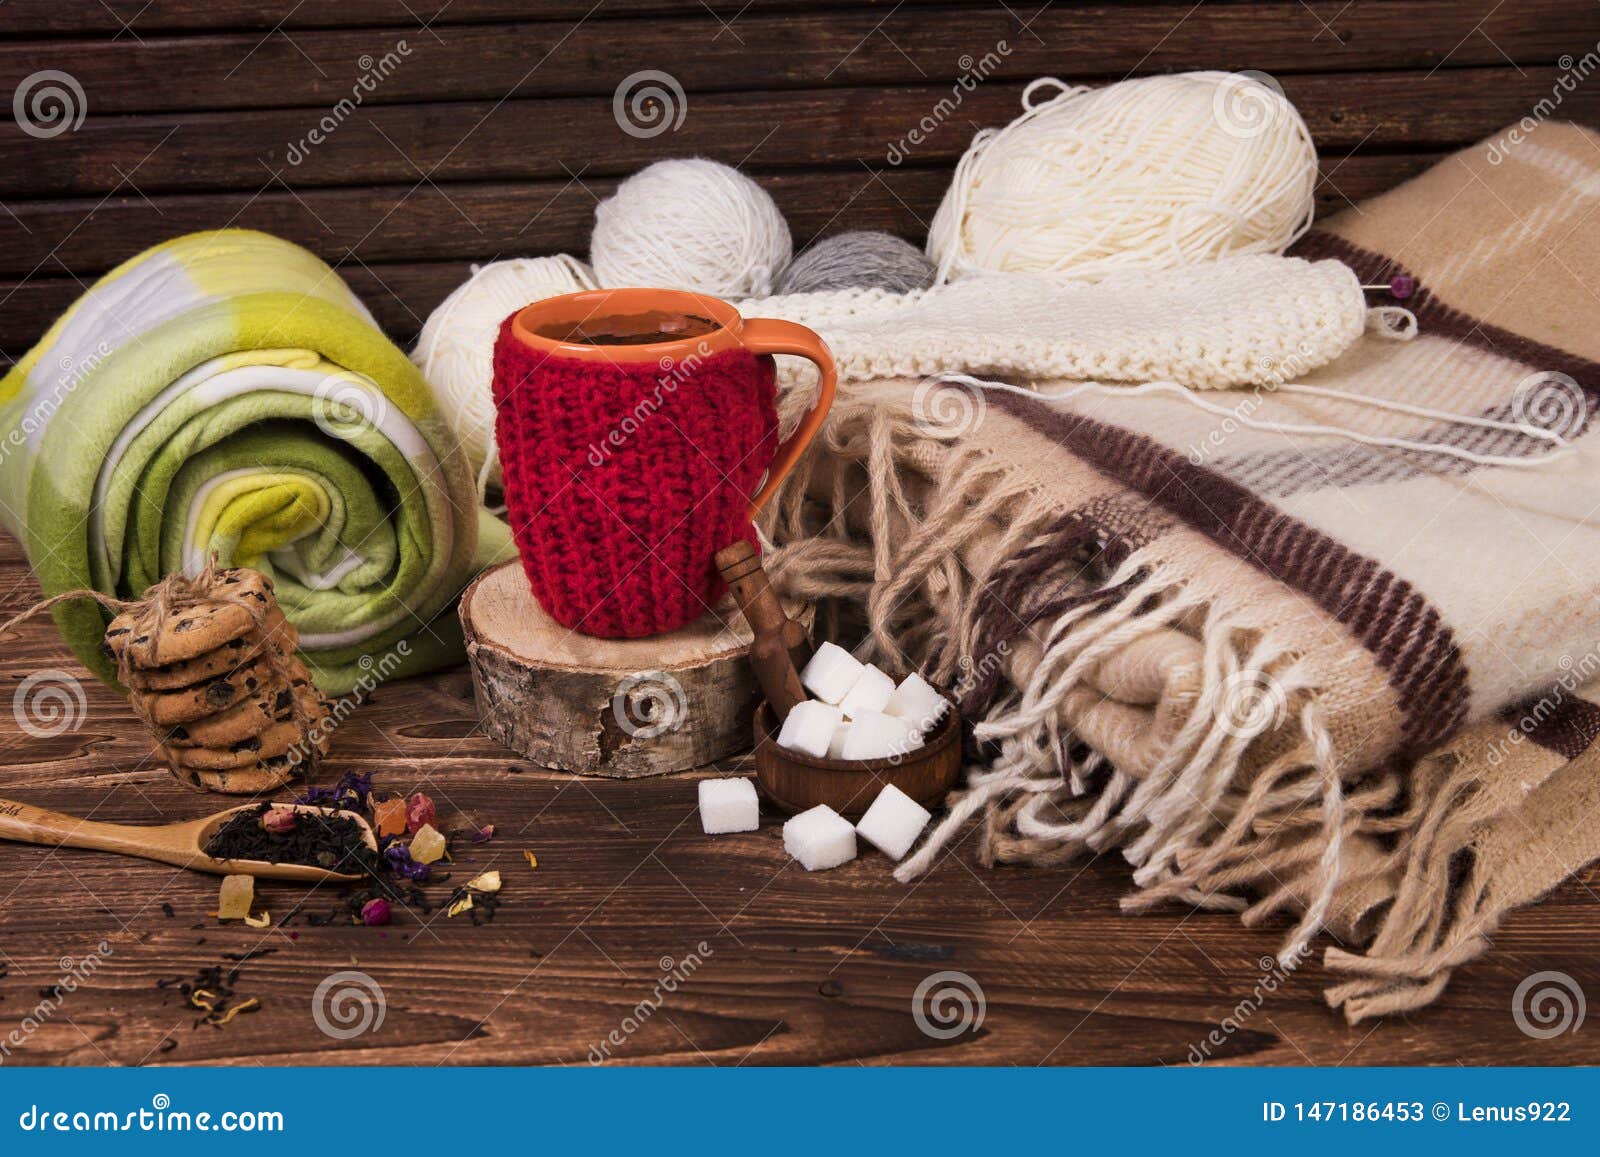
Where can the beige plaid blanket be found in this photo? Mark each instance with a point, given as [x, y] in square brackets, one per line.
[1316, 651]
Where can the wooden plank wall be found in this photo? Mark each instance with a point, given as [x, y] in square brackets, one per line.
[491, 131]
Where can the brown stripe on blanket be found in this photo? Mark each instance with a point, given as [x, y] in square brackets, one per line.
[1047, 578]
[1405, 634]
[1567, 726]
[1435, 317]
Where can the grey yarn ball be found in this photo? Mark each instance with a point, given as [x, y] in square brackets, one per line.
[858, 261]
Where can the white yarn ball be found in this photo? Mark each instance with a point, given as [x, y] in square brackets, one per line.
[691, 224]
[1155, 173]
[455, 350]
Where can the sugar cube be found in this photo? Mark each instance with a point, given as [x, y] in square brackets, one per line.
[831, 673]
[871, 692]
[893, 822]
[836, 744]
[917, 700]
[820, 838]
[809, 726]
[874, 735]
[729, 805]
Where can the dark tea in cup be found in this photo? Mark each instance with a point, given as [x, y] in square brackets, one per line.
[649, 328]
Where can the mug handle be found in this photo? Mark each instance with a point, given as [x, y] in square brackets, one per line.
[766, 335]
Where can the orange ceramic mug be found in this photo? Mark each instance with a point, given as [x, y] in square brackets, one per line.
[628, 466]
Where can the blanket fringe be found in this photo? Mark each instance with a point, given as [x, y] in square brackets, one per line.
[1206, 822]
[1238, 800]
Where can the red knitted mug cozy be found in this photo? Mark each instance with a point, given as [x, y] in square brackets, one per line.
[622, 480]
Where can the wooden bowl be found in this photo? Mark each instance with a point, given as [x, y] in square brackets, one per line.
[795, 781]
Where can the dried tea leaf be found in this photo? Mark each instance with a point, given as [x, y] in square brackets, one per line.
[487, 882]
[459, 906]
[238, 893]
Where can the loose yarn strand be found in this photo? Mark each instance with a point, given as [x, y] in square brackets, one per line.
[1526, 428]
[1310, 429]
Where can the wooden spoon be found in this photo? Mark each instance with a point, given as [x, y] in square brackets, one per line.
[781, 646]
[177, 844]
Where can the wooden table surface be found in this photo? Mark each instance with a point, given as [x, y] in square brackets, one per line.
[752, 960]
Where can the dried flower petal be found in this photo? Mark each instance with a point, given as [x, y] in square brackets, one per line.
[376, 912]
[280, 820]
[398, 857]
[353, 792]
[484, 834]
[262, 921]
[533, 860]
[459, 906]
[248, 1006]
[420, 813]
[487, 882]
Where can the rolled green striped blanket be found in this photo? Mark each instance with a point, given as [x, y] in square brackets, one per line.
[225, 395]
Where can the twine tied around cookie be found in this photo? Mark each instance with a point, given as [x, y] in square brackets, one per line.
[163, 602]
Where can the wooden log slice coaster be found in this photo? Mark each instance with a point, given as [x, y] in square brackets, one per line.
[613, 707]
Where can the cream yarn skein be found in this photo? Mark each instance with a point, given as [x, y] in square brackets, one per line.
[455, 350]
[1157, 172]
[691, 224]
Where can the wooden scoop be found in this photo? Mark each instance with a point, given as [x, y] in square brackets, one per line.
[781, 647]
[177, 844]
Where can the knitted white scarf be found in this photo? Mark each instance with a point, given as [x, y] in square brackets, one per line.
[1242, 321]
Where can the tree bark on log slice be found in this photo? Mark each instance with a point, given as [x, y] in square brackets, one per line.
[613, 707]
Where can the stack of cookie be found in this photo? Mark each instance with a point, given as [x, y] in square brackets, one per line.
[215, 676]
